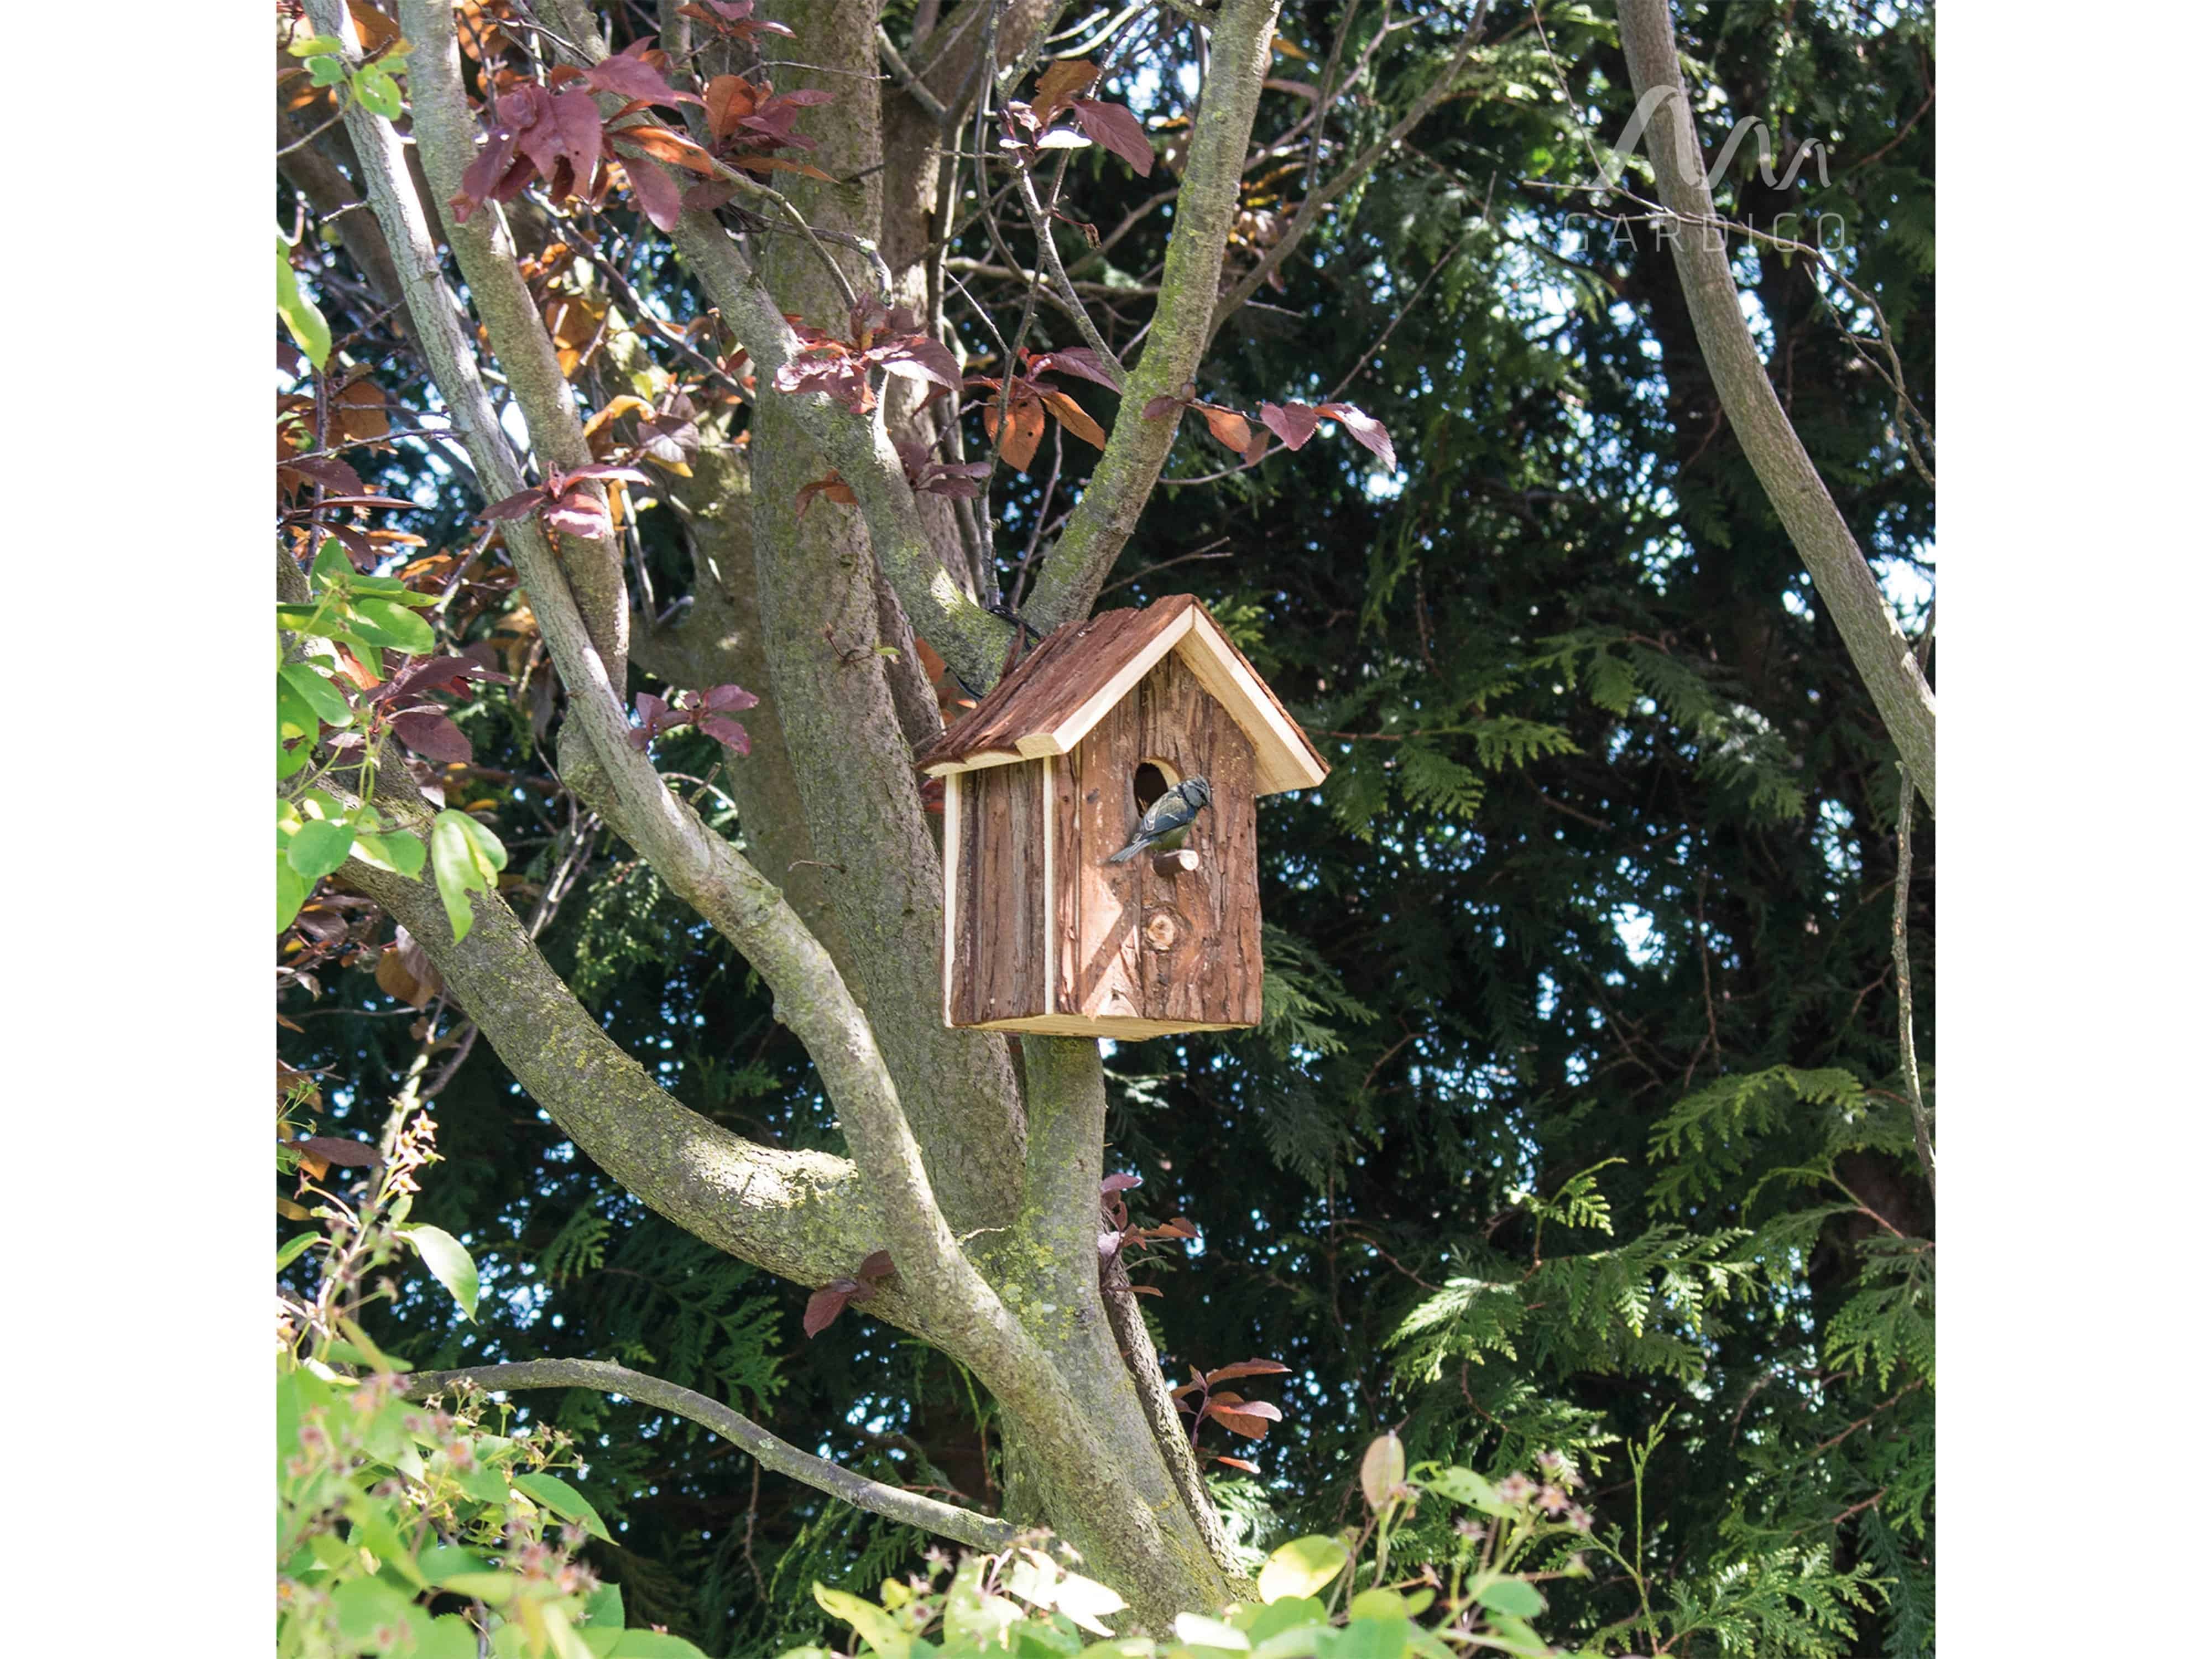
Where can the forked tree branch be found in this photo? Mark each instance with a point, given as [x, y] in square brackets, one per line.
[1839, 570]
[1137, 449]
[699, 865]
[965, 635]
[950, 1301]
[913, 1509]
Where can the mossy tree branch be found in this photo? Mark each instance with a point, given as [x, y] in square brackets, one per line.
[806, 1216]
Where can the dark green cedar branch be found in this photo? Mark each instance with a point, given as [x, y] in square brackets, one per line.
[1801, 499]
[1136, 448]
[913, 1508]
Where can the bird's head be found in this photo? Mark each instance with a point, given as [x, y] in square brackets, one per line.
[1197, 791]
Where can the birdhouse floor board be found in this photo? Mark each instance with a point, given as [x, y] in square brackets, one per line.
[1126, 1031]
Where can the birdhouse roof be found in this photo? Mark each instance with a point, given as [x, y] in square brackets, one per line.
[1063, 687]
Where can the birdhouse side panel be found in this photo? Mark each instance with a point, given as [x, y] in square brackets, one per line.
[1181, 948]
[996, 969]
[1201, 962]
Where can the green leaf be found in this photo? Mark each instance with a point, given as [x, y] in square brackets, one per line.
[292, 890]
[396, 851]
[558, 1496]
[326, 699]
[315, 46]
[376, 94]
[293, 1248]
[381, 622]
[441, 1562]
[1377, 1603]
[1199, 1632]
[640, 1644]
[364, 1604]
[1300, 1567]
[604, 1608]
[295, 715]
[1463, 1487]
[493, 1587]
[876, 1627]
[447, 1637]
[1369, 1638]
[1087, 1602]
[444, 1256]
[1288, 1613]
[302, 320]
[1512, 1598]
[372, 1526]
[319, 847]
[331, 567]
[326, 71]
[465, 856]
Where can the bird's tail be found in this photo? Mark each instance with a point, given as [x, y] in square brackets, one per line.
[1127, 853]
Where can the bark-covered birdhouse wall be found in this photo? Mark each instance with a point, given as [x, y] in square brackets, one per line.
[1046, 780]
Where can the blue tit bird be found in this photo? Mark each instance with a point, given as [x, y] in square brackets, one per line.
[1167, 821]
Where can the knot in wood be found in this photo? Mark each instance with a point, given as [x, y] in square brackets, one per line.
[1160, 931]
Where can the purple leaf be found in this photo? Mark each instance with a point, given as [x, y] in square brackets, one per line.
[1120, 1184]
[519, 505]
[432, 736]
[727, 699]
[653, 191]
[826, 1303]
[485, 173]
[436, 674]
[1292, 422]
[575, 514]
[917, 357]
[576, 118]
[1075, 360]
[1163, 406]
[331, 474]
[878, 1265]
[709, 194]
[727, 732]
[653, 714]
[1365, 430]
[629, 77]
[1115, 128]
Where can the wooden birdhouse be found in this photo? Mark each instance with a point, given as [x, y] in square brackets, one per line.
[1047, 778]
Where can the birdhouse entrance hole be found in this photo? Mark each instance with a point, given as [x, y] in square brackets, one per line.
[1152, 779]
